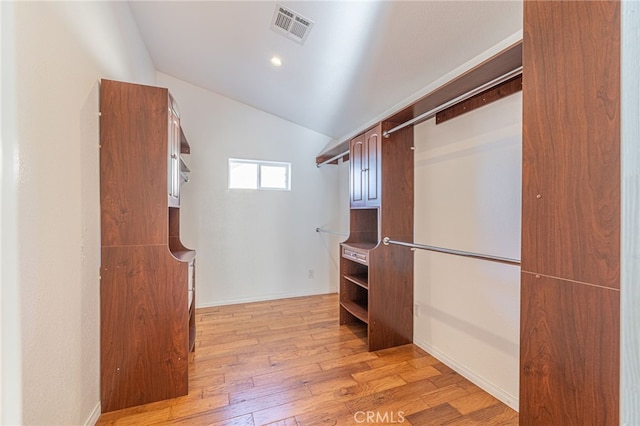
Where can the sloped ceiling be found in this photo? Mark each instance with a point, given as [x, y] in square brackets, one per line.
[360, 58]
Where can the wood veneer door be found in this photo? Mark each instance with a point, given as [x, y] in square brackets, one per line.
[571, 140]
[569, 355]
[372, 171]
[357, 164]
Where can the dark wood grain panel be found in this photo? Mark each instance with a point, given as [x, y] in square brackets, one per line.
[502, 90]
[357, 154]
[397, 181]
[144, 326]
[175, 244]
[569, 355]
[571, 141]
[390, 297]
[133, 138]
[363, 226]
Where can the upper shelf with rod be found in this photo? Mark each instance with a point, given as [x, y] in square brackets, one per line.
[504, 68]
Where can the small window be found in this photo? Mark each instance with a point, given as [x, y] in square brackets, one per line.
[255, 174]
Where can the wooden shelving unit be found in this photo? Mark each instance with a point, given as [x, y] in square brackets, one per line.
[376, 281]
[504, 61]
[147, 287]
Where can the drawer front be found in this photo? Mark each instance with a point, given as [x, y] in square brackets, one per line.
[356, 256]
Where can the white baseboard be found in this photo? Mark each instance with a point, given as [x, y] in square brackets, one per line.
[94, 416]
[264, 298]
[486, 385]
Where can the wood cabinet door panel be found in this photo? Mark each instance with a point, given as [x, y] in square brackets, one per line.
[372, 172]
[356, 167]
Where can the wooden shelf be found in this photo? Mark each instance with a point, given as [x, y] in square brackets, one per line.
[505, 61]
[357, 308]
[360, 279]
[185, 148]
[342, 147]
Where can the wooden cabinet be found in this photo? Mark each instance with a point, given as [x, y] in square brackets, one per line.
[147, 315]
[376, 281]
[365, 169]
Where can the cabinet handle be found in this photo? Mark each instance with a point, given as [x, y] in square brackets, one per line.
[365, 170]
[174, 156]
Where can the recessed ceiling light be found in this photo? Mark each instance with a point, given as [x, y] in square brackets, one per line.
[276, 61]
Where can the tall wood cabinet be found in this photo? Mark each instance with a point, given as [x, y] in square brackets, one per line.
[570, 295]
[147, 285]
[376, 281]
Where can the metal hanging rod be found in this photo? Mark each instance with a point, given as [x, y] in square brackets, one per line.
[386, 241]
[333, 158]
[454, 101]
[326, 231]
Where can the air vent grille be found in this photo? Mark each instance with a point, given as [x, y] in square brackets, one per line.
[291, 24]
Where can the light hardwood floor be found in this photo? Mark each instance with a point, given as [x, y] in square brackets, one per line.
[288, 362]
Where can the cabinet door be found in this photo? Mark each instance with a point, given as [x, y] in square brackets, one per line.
[371, 170]
[173, 175]
[357, 164]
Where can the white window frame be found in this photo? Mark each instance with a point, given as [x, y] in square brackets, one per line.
[258, 164]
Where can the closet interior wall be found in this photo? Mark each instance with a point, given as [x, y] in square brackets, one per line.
[467, 197]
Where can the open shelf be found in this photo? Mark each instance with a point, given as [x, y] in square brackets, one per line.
[359, 279]
[357, 308]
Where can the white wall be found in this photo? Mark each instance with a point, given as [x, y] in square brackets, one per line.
[630, 232]
[253, 245]
[50, 199]
[468, 197]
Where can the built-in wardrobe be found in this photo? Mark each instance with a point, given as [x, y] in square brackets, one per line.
[147, 283]
[377, 258]
[376, 281]
[569, 370]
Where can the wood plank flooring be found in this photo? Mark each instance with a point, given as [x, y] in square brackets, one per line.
[288, 362]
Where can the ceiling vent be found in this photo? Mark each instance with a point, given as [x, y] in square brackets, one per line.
[291, 24]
